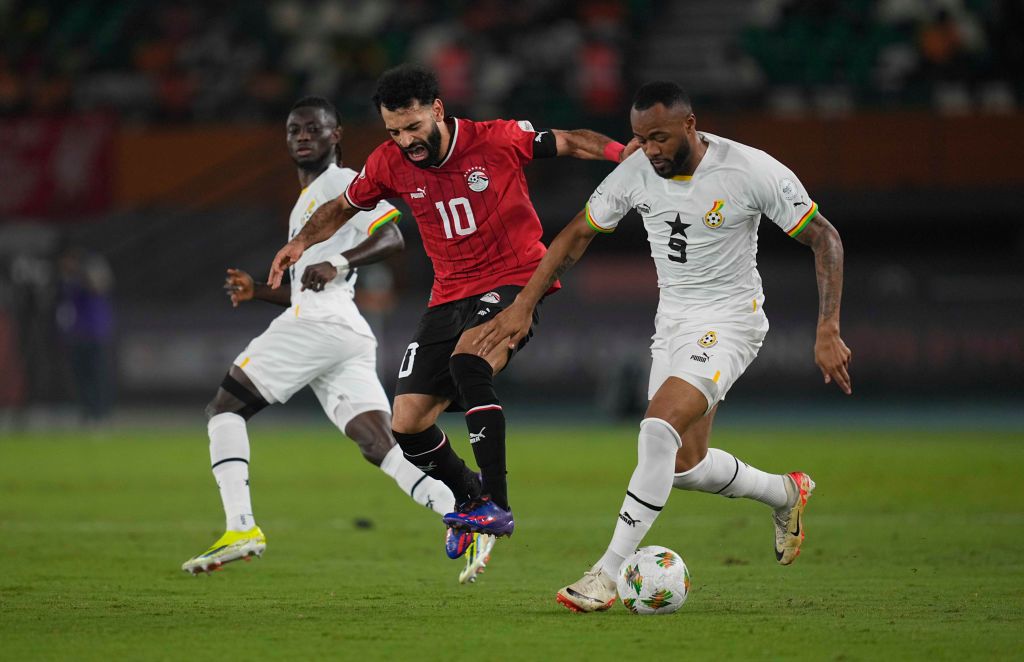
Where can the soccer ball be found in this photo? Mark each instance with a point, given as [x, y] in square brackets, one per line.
[654, 580]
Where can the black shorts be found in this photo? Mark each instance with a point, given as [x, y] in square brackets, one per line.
[425, 364]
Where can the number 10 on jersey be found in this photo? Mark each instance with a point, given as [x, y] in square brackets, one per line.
[464, 224]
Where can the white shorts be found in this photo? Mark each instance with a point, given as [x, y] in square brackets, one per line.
[708, 353]
[339, 364]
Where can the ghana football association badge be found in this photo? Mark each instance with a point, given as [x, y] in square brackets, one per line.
[714, 217]
[709, 339]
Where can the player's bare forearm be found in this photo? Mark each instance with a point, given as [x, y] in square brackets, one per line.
[586, 144]
[325, 221]
[281, 296]
[824, 240]
[830, 352]
[381, 245]
[566, 249]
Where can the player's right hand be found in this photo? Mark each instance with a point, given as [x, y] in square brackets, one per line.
[510, 325]
[285, 257]
[239, 286]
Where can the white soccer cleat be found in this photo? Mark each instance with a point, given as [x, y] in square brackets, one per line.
[595, 591]
[478, 554]
[789, 523]
[231, 546]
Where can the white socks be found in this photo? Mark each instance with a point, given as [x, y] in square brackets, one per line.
[229, 457]
[648, 491]
[722, 473]
[423, 489]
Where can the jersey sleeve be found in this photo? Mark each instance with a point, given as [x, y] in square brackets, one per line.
[779, 195]
[371, 185]
[527, 143]
[368, 222]
[611, 200]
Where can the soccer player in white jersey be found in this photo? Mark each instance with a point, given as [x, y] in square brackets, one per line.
[321, 340]
[701, 198]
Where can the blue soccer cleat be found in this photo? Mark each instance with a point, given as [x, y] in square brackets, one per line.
[457, 542]
[482, 516]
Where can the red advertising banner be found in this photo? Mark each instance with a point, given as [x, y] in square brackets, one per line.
[56, 168]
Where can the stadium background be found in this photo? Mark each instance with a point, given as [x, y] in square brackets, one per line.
[152, 136]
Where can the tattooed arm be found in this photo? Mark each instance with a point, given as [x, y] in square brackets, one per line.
[511, 324]
[322, 225]
[830, 352]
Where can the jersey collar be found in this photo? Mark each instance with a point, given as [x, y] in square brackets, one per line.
[707, 155]
[451, 144]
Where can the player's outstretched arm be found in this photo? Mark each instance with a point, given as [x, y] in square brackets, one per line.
[511, 324]
[587, 144]
[382, 244]
[830, 352]
[240, 287]
[321, 226]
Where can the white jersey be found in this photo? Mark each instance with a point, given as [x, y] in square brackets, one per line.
[703, 229]
[335, 303]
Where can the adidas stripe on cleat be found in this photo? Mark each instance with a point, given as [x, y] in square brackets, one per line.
[231, 546]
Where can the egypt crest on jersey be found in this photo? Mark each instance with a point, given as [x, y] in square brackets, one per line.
[703, 229]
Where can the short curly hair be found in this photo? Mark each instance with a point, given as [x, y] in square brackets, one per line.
[400, 86]
[666, 93]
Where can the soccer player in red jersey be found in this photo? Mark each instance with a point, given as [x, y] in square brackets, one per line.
[465, 185]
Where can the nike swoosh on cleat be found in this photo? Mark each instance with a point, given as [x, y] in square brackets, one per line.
[797, 532]
[576, 594]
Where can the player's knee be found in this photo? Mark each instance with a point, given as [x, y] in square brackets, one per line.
[234, 397]
[374, 448]
[474, 377]
[658, 441]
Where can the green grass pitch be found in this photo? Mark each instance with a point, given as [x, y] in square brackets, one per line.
[914, 550]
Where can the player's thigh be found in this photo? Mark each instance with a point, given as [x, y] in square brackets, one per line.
[351, 386]
[286, 357]
[415, 412]
[424, 368]
[710, 356]
[484, 308]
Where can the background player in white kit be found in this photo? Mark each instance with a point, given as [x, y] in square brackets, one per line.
[321, 340]
[701, 198]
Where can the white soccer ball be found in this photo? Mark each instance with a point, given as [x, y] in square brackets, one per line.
[654, 580]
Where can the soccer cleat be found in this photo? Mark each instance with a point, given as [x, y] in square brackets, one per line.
[231, 546]
[595, 591]
[477, 557]
[456, 542]
[789, 523]
[481, 516]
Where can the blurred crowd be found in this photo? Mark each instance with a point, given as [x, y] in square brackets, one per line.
[204, 61]
[948, 54]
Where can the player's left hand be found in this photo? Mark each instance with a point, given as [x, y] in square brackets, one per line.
[239, 286]
[317, 276]
[510, 326]
[285, 257]
[833, 358]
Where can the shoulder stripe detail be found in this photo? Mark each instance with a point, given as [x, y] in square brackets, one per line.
[393, 215]
[592, 223]
[804, 220]
[349, 201]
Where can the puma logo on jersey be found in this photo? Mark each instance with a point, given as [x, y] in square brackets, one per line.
[485, 311]
[701, 358]
[643, 208]
[420, 192]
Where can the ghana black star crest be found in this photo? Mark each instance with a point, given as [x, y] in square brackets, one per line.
[678, 227]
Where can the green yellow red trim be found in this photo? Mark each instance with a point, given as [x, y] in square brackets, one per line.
[392, 215]
[682, 178]
[804, 220]
[592, 223]
[717, 206]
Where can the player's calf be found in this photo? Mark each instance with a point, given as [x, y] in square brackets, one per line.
[430, 451]
[485, 420]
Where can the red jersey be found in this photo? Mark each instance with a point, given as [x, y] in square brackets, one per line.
[473, 209]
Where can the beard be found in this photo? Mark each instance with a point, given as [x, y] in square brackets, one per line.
[678, 163]
[433, 147]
